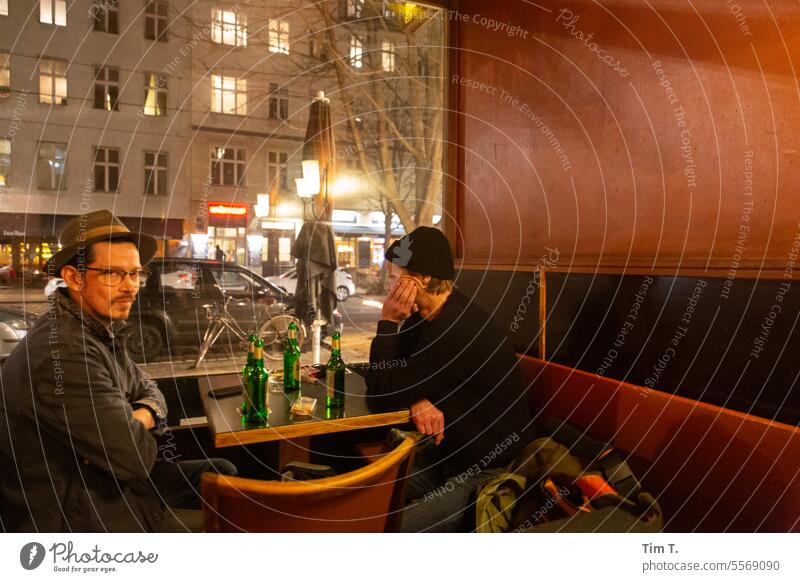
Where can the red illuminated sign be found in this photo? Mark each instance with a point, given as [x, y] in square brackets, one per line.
[220, 209]
[227, 214]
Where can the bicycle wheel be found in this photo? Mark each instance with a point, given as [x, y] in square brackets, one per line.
[209, 337]
[274, 333]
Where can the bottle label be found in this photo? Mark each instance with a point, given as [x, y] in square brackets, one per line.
[330, 380]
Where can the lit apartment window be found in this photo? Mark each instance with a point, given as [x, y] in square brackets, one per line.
[227, 166]
[279, 36]
[155, 94]
[276, 170]
[53, 12]
[106, 88]
[356, 53]
[355, 8]
[3, 7]
[228, 95]
[5, 161]
[278, 101]
[155, 173]
[51, 166]
[106, 169]
[106, 16]
[53, 82]
[387, 56]
[5, 74]
[228, 27]
[155, 20]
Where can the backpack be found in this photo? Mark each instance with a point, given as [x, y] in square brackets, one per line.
[549, 489]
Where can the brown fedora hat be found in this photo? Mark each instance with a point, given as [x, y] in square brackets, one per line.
[98, 226]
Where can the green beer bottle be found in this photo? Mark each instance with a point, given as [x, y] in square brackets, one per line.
[257, 387]
[291, 361]
[248, 366]
[334, 375]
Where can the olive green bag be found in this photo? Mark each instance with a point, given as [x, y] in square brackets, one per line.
[547, 488]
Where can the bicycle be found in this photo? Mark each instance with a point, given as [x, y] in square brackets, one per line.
[273, 331]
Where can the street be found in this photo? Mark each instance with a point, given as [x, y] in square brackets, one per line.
[359, 316]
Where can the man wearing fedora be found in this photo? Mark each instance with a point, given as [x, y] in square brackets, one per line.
[78, 446]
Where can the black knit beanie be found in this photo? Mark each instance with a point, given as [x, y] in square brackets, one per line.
[426, 251]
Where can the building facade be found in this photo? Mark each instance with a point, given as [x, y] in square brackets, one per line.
[188, 120]
[91, 119]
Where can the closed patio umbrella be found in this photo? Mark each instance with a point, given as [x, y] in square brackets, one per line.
[315, 249]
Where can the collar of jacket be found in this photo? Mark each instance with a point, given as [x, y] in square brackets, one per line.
[66, 303]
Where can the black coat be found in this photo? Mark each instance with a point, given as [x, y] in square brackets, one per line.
[465, 364]
[73, 458]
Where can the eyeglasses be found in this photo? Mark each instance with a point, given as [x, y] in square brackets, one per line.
[114, 277]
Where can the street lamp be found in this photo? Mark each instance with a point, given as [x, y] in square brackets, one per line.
[311, 185]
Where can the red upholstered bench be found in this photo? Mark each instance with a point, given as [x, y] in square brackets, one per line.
[712, 469]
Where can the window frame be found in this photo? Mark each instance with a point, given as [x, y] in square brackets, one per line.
[104, 13]
[388, 58]
[106, 84]
[279, 38]
[53, 12]
[160, 22]
[155, 173]
[54, 74]
[106, 164]
[56, 185]
[221, 27]
[238, 163]
[5, 71]
[5, 162]
[277, 165]
[278, 102]
[219, 93]
[354, 8]
[356, 52]
[159, 89]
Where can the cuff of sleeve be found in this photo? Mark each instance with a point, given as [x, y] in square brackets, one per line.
[386, 327]
[154, 409]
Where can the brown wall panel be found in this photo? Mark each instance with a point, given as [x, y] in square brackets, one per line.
[559, 149]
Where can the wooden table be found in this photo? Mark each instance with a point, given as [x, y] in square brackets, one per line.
[292, 432]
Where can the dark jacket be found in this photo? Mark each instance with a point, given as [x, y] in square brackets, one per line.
[73, 458]
[466, 366]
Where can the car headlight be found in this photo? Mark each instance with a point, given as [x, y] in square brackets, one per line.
[20, 327]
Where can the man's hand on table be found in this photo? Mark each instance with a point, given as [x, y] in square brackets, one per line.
[399, 304]
[145, 417]
[428, 419]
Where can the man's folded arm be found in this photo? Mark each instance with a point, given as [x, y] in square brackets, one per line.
[146, 394]
[82, 407]
[398, 381]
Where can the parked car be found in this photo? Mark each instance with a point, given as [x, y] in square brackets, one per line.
[14, 324]
[170, 312]
[288, 282]
[7, 274]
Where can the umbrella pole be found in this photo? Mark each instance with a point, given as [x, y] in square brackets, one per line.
[316, 335]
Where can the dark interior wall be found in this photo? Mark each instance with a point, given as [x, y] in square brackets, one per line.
[636, 155]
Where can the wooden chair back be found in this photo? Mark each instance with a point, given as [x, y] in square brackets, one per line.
[368, 499]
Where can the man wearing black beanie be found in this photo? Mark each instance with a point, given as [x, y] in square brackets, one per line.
[456, 371]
